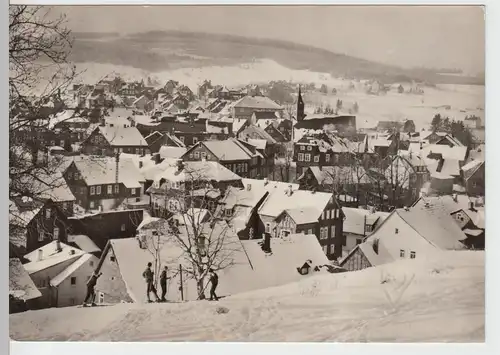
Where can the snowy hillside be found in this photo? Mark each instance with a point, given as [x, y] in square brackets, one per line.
[438, 300]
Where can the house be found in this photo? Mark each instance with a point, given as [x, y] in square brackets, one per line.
[467, 212]
[91, 231]
[167, 152]
[109, 141]
[438, 151]
[155, 141]
[344, 125]
[406, 233]
[61, 273]
[249, 267]
[231, 153]
[103, 183]
[170, 86]
[246, 106]
[33, 223]
[143, 103]
[358, 224]
[473, 175]
[191, 183]
[449, 140]
[21, 285]
[309, 212]
[383, 126]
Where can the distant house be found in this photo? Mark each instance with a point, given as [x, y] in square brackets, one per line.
[383, 126]
[143, 103]
[170, 86]
[406, 233]
[61, 273]
[33, 224]
[180, 101]
[342, 124]
[246, 106]
[231, 153]
[109, 141]
[104, 183]
[308, 212]
[473, 175]
[359, 224]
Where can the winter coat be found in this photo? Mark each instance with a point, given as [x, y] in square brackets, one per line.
[214, 279]
[92, 281]
[148, 275]
[163, 277]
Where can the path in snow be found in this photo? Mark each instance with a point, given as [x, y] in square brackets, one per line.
[444, 302]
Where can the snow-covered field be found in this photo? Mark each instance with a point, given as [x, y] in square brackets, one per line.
[436, 300]
[463, 99]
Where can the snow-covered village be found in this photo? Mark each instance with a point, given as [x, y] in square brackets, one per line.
[162, 191]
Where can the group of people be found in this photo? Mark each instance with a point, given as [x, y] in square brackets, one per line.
[148, 275]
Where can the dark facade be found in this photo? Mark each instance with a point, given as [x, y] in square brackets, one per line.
[97, 144]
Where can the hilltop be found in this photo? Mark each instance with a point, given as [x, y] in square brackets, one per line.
[169, 50]
[441, 299]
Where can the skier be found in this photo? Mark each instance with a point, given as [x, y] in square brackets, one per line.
[91, 288]
[148, 276]
[163, 283]
[214, 280]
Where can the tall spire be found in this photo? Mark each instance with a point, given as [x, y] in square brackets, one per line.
[300, 107]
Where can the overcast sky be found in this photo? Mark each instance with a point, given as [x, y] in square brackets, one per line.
[432, 36]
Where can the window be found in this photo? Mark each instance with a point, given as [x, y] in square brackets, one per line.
[332, 233]
[368, 228]
[116, 150]
[132, 191]
[412, 255]
[195, 140]
[316, 158]
[112, 258]
[401, 253]
[302, 147]
[396, 231]
[268, 227]
[310, 231]
[91, 263]
[300, 157]
[203, 155]
[328, 215]
[123, 228]
[77, 176]
[332, 248]
[197, 155]
[309, 148]
[229, 212]
[98, 190]
[110, 189]
[101, 297]
[73, 280]
[47, 213]
[92, 204]
[323, 233]
[41, 236]
[209, 157]
[344, 240]
[327, 158]
[308, 157]
[117, 189]
[181, 139]
[70, 176]
[92, 190]
[325, 249]
[358, 241]
[336, 158]
[56, 233]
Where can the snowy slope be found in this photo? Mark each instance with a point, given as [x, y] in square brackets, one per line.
[437, 300]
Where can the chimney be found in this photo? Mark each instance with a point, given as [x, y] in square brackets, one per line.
[420, 145]
[471, 206]
[157, 158]
[58, 246]
[180, 165]
[72, 252]
[117, 170]
[249, 187]
[141, 164]
[289, 190]
[455, 197]
[266, 181]
[40, 254]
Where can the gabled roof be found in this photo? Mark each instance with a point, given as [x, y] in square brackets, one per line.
[470, 168]
[84, 243]
[243, 197]
[278, 200]
[257, 133]
[123, 136]
[257, 102]
[457, 153]
[50, 257]
[20, 283]
[227, 150]
[330, 175]
[102, 170]
[304, 215]
[63, 275]
[172, 152]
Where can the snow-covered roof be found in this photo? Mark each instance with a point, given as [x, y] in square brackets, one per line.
[123, 136]
[354, 221]
[257, 102]
[50, 256]
[84, 243]
[278, 200]
[102, 170]
[456, 153]
[243, 197]
[68, 115]
[228, 150]
[258, 143]
[471, 167]
[196, 170]
[63, 275]
[304, 215]
[172, 152]
[20, 282]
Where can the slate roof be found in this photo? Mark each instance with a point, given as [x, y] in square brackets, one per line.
[123, 136]
[20, 283]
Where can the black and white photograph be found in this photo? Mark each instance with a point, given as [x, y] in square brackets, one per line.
[247, 173]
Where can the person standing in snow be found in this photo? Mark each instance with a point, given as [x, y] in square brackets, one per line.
[163, 283]
[214, 280]
[91, 288]
[148, 276]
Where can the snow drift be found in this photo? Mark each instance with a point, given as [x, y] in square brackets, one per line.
[421, 300]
